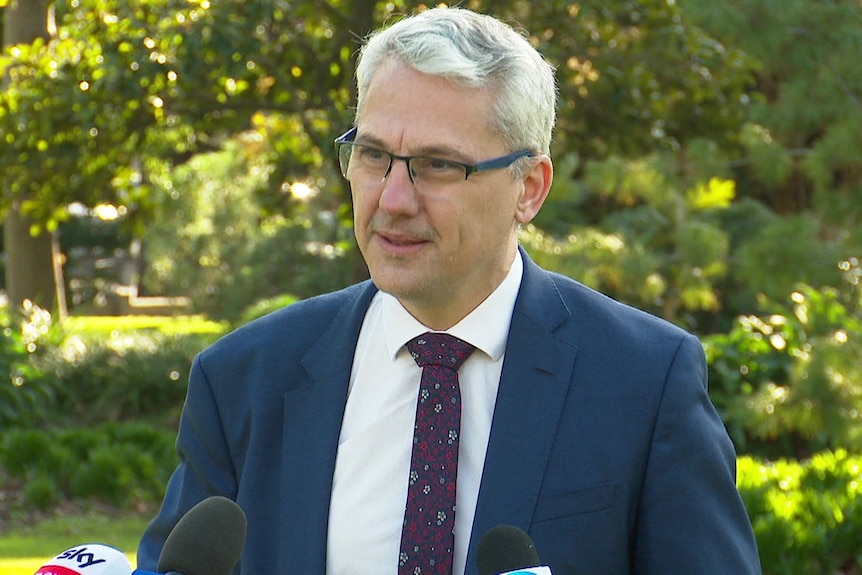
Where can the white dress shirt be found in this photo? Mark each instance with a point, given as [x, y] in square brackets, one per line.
[369, 488]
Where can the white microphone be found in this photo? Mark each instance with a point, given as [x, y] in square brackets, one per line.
[88, 559]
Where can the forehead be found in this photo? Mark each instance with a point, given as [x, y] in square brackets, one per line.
[405, 108]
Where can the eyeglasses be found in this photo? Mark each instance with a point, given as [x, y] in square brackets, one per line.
[363, 163]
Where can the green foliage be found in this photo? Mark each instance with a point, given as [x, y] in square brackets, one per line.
[137, 375]
[127, 89]
[635, 77]
[118, 463]
[666, 252]
[763, 259]
[23, 449]
[805, 122]
[27, 395]
[789, 129]
[770, 163]
[41, 493]
[83, 374]
[207, 115]
[151, 85]
[110, 473]
[807, 517]
[214, 243]
[264, 307]
[64, 449]
[789, 382]
[691, 252]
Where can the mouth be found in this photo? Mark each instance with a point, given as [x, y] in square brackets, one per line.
[400, 244]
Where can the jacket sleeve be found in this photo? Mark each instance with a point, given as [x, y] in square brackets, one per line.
[691, 518]
[205, 467]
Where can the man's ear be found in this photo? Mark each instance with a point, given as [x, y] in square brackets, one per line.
[536, 185]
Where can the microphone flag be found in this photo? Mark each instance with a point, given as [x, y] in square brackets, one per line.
[88, 559]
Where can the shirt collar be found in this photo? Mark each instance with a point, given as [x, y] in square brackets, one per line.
[486, 327]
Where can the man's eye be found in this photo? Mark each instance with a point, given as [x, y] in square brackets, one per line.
[438, 165]
[371, 155]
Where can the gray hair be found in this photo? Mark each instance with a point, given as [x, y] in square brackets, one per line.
[477, 51]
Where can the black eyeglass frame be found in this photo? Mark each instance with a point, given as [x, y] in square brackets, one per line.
[492, 164]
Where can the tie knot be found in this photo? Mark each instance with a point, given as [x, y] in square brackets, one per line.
[441, 349]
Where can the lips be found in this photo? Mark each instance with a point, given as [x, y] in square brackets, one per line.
[399, 244]
[399, 239]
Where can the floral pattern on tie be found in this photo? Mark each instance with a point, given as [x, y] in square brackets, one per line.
[427, 537]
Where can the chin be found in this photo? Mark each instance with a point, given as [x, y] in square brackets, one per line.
[397, 284]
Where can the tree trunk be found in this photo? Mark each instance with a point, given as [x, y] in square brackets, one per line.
[33, 262]
[29, 263]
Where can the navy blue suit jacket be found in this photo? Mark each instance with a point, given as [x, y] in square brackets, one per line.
[604, 445]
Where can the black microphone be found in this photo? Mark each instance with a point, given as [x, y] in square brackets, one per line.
[208, 540]
[506, 548]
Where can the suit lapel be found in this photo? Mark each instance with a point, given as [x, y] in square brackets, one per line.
[533, 386]
[312, 416]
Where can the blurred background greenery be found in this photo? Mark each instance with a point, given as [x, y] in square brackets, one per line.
[174, 158]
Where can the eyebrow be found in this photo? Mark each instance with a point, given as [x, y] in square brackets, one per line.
[441, 151]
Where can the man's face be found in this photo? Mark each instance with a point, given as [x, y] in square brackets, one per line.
[440, 250]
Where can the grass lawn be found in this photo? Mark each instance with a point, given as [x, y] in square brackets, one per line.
[24, 549]
[107, 326]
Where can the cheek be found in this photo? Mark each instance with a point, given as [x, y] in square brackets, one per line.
[496, 215]
[460, 223]
[363, 208]
[473, 226]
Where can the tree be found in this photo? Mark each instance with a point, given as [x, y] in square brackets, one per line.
[805, 125]
[128, 89]
[798, 153]
[774, 113]
[33, 268]
[657, 100]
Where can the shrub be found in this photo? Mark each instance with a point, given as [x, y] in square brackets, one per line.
[789, 382]
[26, 393]
[41, 493]
[106, 475]
[265, 306]
[222, 243]
[807, 517]
[134, 376]
[24, 449]
[120, 463]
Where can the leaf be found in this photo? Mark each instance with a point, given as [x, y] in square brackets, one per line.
[715, 194]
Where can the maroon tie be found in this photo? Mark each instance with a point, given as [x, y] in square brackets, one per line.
[427, 537]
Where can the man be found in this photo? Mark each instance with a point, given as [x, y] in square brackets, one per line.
[584, 422]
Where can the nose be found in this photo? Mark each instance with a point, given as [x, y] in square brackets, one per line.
[399, 195]
[393, 160]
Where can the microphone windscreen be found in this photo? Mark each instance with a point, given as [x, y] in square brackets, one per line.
[89, 558]
[505, 548]
[208, 540]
